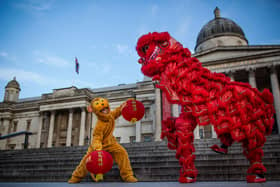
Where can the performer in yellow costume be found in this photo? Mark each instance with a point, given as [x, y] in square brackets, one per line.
[103, 139]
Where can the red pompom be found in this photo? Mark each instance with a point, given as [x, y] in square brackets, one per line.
[267, 96]
[99, 162]
[133, 111]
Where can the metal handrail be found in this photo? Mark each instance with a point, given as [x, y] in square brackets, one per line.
[26, 133]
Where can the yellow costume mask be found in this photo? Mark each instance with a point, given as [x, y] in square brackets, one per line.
[100, 106]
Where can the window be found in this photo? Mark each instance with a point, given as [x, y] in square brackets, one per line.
[132, 139]
[12, 146]
[201, 133]
[239, 42]
[28, 125]
[219, 43]
[118, 139]
[147, 138]
[147, 113]
[15, 124]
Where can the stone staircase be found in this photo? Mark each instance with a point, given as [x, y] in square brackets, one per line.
[150, 161]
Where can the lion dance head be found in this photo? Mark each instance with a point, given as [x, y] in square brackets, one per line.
[152, 48]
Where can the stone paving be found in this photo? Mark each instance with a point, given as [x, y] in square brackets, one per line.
[143, 184]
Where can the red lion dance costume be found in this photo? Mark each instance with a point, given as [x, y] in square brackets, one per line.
[237, 111]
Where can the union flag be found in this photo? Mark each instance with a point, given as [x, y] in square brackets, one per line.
[77, 65]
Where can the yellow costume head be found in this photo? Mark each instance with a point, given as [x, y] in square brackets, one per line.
[100, 106]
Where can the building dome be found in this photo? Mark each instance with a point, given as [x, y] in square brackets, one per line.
[220, 32]
[13, 84]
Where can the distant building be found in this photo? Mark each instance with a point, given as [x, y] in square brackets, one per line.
[60, 118]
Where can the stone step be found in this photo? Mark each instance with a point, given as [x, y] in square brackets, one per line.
[82, 150]
[73, 152]
[150, 161]
[147, 164]
[143, 174]
[273, 139]
[74, 156]
[144, 159]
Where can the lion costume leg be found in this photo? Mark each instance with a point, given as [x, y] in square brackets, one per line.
[185, 126]
[254, 153]
[120, 156]
[168, 130]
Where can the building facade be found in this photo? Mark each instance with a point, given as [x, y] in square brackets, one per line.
[60, 118]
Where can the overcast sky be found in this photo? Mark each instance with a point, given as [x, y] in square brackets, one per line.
[39, 39]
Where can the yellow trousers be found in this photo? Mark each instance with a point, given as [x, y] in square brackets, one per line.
[119, 155]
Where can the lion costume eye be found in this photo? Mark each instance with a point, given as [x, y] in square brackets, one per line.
[145, 48]
[164, 44]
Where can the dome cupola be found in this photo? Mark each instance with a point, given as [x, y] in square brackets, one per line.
[220, 32]
[12, 91]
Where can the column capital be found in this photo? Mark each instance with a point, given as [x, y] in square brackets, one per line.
[155, 82]
[272, 68]
[251, 69]
[231, 71]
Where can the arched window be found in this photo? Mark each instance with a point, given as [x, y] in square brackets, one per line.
[219, 43]
[239, 42]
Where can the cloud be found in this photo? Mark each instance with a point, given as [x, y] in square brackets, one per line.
[35, 5]
[3, 54]
[122, 49]
[22, 75]
[99, 69]
[126, 50]
[154, 10]
[183, 28]
[50, 60]
[84, 84]
[7, 56]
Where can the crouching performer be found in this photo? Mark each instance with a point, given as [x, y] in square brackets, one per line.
[103, 139]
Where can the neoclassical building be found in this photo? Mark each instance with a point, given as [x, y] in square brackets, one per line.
[60, 118]
[222, 47]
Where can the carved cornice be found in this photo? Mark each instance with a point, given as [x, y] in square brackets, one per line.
[242, 65]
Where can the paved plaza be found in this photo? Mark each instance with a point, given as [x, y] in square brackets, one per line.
[142, 184]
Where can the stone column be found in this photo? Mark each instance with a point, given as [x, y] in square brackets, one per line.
[93, 121]
[175, 110]
[138, 131]
[214, 135]
[82, 127]
[252, 78]
[196, 132]
[158, 115]
[276, 95]
[231, 76]
[5, 142]
[50, 137]
[39, 133]
[69, 128]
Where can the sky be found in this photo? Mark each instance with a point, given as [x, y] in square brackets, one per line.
[39, 39]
